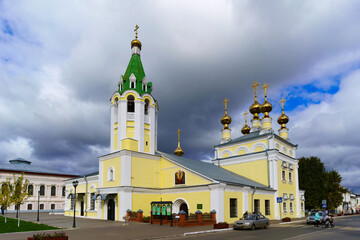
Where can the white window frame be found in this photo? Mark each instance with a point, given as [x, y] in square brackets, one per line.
[283, 175]
[111, 174]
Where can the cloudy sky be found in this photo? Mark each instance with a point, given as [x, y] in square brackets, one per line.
[60, 62]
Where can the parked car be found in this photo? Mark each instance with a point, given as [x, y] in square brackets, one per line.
[311, 218]
[252, 221]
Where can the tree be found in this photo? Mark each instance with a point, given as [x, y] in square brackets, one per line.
[20, 193]
[312, 179]
[6, 199]
[333, 189]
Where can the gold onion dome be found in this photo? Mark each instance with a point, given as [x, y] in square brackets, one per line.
[246, 129]
[178, 151]
[226, 119]
[283, 119]
[266, 107]
[136, 42]
[255, 109]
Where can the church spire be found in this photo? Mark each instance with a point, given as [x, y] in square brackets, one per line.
[178, 151]
[134, 77]
[226, 120]
[266, 108]
[255, 110]
[246, 129]
[283, 120]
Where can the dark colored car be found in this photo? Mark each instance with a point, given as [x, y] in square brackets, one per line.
[252, 221]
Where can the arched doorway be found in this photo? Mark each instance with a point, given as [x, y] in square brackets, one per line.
[180, 204]
[111, 209]
[184, 207]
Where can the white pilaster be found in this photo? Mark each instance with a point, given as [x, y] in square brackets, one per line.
[217, 200]
[126, 170]
[152, 128]
[125, 201]
[246, 199]
[277, 210]
[297, 197]
[100, 174]
[139, 118]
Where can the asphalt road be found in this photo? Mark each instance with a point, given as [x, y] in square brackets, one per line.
[347, 227]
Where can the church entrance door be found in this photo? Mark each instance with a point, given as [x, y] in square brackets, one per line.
[82, 208]
[184, 207]
[111, 209]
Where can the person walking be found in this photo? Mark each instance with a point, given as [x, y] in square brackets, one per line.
[317, 219]
[245, 214]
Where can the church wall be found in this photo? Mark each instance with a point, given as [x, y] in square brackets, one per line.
[167, 175]
[115, 164]
[254, 170]
[240, 210]
[288, 188]
[238, 149]
[129, 144]
[262, 198]
[192, 199]
[142, 201]
[143, 172]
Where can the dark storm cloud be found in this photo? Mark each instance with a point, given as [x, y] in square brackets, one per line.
[55, 88]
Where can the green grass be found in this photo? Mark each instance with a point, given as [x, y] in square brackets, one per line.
[12, 226]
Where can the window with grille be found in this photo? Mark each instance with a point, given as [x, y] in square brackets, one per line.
[92, 201]
[42, 190]
[283, 176]
[30, 190]
[267, 207]
[63, 191]
[233, 207]
[53, 191]
[257, 205]
[284, 207]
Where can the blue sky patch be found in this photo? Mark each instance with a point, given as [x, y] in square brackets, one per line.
[312, 93]
[6, 28]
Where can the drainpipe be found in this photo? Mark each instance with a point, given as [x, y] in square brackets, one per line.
[252, 200]
[86, 196]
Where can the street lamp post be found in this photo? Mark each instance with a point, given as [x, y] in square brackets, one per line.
[75, 184]
[38, 211]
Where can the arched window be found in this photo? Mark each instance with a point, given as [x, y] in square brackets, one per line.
[132, 84]
[31, 189]
[29, 207]
[42, 190]
[146, 109]
[130, 103]
[42, 206]
[179, 177]
[53, 191]
[111, 174]
[121, 87]
[52, 206]
[63, 191]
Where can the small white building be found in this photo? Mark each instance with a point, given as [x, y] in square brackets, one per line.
[45, 183]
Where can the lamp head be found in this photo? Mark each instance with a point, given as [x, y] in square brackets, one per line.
[75, 183]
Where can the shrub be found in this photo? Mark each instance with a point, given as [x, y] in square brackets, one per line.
[286, 219]
[41, 236]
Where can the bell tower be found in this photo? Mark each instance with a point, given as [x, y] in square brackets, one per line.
[133, 108]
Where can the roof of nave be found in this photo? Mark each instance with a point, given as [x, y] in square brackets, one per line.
[21, 165]
[252, 136]
[213, 172]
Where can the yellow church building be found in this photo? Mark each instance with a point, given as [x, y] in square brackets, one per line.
[256, 172]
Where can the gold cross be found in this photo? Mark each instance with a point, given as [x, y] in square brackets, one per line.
[245, 115]
[265, 88]
[225, 103]
[178, 133]
[256, 84]
[282, 102]
[136, 28]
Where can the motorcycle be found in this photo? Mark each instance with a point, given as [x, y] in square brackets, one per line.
[328, 222]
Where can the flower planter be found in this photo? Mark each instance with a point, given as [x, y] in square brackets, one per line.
[50, 238]
[221, 225]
